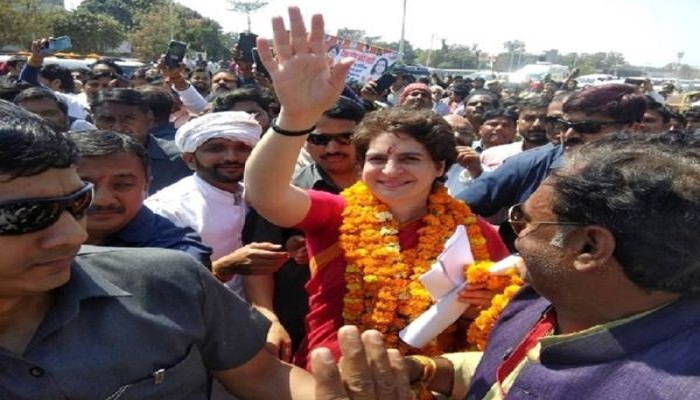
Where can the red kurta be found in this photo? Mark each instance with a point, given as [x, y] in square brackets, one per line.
[326, 287]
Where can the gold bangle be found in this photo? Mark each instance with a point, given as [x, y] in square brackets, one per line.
[429, 367]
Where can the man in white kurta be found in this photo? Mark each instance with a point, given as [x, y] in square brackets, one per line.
[216, 146]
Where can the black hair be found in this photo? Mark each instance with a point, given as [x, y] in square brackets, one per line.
[160, 101]
[482, 92]
[637, 186]
[199, 69]
[692, 113]
[110, 63]
[96, 143]
[129, 97]
[9, 89]
[653, 105]
[345, 108]
[29, 145]
[39, 93]
[225, 101]
[424, 126]
[55, 71]
[537, 101]
[461, 90]
[93, 76]
[14, 60]
[507, 113]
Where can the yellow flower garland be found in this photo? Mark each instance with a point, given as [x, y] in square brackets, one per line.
[384, 292]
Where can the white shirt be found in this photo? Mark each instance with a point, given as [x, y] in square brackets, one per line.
[77, 105]
[191, 99]
[217, 215]
[493, 157]
[81, 125]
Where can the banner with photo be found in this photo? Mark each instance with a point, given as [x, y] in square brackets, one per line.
[370, 61]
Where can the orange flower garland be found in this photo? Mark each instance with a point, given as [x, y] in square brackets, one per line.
[506, 285]
[384, 292]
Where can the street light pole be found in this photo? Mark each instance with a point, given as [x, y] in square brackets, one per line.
[403, 31]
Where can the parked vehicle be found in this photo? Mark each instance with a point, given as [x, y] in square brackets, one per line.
[538, 72]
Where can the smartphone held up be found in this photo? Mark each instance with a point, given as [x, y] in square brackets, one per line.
[54, 45]
[176, 53]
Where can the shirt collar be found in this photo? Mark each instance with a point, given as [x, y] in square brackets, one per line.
[209, 190]
[86, 282]
[134, 231]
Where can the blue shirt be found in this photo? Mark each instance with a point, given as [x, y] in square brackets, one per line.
[164, 131]
[148, 229]
[513, 182]
[166, 164]
[134, 324]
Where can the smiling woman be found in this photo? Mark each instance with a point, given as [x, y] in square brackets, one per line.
[400, 205]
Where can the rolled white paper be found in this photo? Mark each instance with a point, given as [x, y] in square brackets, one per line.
[437, 281]
[435, 320]
[502, 267]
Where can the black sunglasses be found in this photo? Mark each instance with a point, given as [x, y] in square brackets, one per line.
[321, 139]
[32, 215]
[518, 220]
[583, 127]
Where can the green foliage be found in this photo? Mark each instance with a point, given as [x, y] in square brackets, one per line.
[351, 34]
[156, 26]
[123, 11]
[159, 24]
[410, 55]
[22, 21]
[454, 56]
[89, 32]
[202, 34]
[246, 7]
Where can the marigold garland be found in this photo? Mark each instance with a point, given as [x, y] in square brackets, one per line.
[384, 292]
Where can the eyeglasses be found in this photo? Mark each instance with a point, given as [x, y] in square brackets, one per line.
[519, 220]
[32, 215]
[583, 127]
[321, 139]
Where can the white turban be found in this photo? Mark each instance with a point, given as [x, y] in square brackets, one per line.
[233, 125]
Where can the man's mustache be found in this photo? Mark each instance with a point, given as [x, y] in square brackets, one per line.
[325, 155]
[101, 209]
[232, 164]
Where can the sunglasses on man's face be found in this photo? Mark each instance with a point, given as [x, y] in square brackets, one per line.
[583, 127]
[321, 139]
[32, 215]
[518, 220]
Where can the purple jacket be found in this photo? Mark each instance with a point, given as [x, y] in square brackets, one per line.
[653, 357]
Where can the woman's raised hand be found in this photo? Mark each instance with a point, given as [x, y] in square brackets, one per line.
[305, 84]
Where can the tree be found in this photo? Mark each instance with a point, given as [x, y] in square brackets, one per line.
[157, 26]
[123, 11]
[356, 35]
[246, 7]
[89, 32]
[410, 55]
[22, 21]
[202, 34]
[151, 39]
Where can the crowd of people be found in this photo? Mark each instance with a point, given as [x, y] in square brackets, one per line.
[183, 234]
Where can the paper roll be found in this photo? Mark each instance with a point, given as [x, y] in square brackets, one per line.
[435, 320]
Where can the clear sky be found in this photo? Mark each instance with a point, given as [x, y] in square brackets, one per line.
[647, 32]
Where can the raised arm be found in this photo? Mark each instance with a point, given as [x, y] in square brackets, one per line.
[306, 86]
